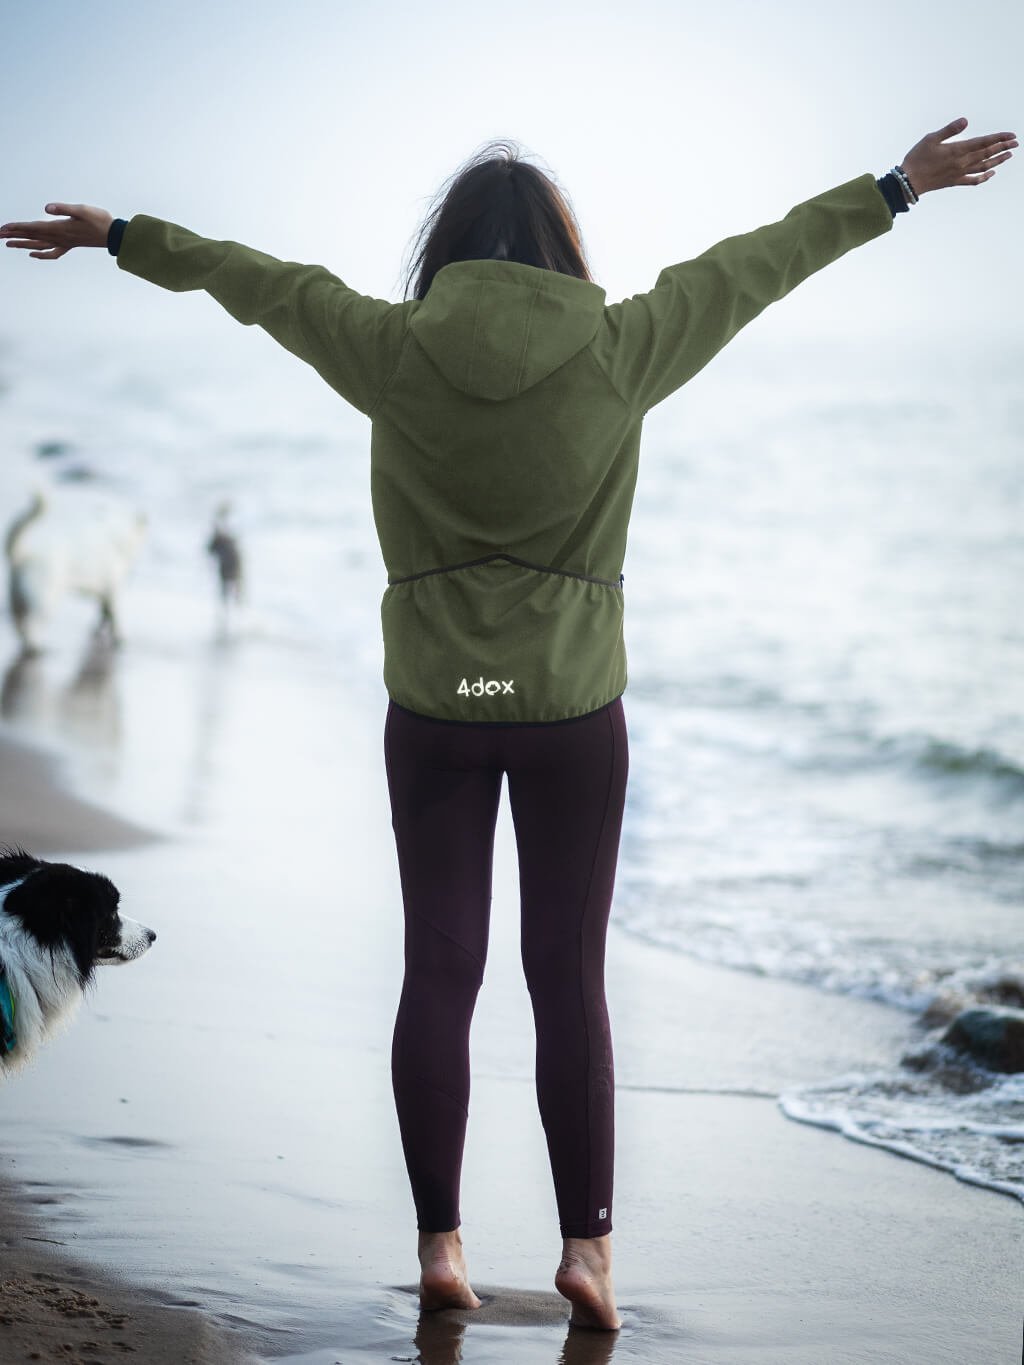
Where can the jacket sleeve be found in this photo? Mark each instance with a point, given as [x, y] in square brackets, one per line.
[653, 343]
[351, 340]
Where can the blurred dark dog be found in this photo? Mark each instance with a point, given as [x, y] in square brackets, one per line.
[223, 545]
[57, 925]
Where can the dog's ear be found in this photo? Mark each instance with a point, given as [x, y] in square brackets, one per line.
[63, 907]
[15, 863]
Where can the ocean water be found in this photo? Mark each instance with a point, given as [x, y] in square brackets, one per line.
[826, 647]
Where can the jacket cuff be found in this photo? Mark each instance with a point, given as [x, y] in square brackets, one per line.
[115, 234]
[893, 195]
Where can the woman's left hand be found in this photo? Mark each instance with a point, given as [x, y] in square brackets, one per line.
[935, 163]
[49, 239]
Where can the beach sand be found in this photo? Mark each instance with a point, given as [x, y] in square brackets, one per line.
[255, 1173]
[53, 1308]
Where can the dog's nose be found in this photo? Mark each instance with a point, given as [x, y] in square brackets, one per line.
[152, 935]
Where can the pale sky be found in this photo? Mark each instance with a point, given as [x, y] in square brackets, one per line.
[319, 131]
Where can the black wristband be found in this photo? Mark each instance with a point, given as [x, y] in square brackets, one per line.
[115, 234]
[894, 195]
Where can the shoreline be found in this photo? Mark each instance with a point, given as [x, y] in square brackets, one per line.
[40, 813]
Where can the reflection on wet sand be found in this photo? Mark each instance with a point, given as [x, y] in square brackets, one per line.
[90, 706]
[86, 709]
[439, 1339]
[588, 1346]
[213, 681]
[440, 1335]
[24, 688]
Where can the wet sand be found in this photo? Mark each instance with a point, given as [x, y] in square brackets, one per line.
[242, 1156]
[54, 1308]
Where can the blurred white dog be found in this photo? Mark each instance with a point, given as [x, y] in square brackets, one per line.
[78, 546]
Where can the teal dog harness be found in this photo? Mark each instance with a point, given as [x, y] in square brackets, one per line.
[8, 1037]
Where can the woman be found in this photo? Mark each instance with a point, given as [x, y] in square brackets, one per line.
[506, 400]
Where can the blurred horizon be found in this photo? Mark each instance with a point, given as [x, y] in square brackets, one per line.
[322, 133]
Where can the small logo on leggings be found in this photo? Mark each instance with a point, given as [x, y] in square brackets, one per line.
[602, 1213]
[489, 688]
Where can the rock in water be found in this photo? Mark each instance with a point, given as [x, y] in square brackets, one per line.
[993, 1036]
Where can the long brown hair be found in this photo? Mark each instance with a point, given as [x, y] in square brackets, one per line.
[497, 206]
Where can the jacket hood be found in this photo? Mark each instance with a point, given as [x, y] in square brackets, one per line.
[496, 328]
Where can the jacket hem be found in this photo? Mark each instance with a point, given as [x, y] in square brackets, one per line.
[504, 724]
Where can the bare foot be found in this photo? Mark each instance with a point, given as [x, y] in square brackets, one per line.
[584, 1277]
[443, 1279]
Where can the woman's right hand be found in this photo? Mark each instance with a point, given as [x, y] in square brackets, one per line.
[934, 163]
[49, 239]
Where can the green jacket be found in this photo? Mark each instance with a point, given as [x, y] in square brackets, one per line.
[506, 411]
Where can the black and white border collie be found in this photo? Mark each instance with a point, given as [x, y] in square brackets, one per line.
[57, 925]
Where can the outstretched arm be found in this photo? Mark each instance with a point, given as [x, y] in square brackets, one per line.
[352, 340]
[656, 341]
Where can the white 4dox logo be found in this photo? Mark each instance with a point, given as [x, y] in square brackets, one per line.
[491, 688]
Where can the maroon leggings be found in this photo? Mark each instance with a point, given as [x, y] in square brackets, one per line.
[566, 786]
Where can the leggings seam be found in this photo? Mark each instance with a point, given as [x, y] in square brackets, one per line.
[583, 997]
[440, 1090]
[451, 939]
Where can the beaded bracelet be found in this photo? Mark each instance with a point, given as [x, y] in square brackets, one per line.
[904, 180]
